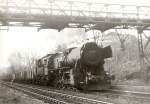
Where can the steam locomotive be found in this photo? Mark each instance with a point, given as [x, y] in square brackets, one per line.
[79, 67]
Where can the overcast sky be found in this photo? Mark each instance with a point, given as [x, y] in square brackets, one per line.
[28, 39]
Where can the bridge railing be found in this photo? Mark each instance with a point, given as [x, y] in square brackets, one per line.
[8, 8]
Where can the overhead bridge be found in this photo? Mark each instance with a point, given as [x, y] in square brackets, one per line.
[59, 14]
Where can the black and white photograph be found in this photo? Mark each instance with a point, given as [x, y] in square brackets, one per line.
[74, 52]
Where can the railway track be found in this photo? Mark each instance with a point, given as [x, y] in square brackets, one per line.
[37, 95]
[138, 92]
[54, 97]
[122, 93]
[135, 88]
[125, 93]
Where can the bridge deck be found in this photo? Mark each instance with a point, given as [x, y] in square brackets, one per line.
[58, 14]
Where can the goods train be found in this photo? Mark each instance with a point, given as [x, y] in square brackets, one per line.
[79, 67]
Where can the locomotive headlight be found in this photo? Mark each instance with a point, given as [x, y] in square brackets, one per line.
[107, 73]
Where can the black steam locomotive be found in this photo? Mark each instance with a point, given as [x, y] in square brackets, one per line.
[81, 67]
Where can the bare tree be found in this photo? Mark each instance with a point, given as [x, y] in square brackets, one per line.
[30, 60]
[15, 60]
[21, 61]
[122, 38]
[99, 37]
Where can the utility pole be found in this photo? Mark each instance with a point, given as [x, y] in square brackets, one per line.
[141, 53]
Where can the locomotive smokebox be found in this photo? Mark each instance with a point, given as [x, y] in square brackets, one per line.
[91, 54]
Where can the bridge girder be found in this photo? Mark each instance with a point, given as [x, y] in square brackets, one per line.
[83, 13]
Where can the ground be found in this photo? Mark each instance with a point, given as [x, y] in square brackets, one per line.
[11, 96]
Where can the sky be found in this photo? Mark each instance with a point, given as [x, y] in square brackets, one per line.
[26, 39]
